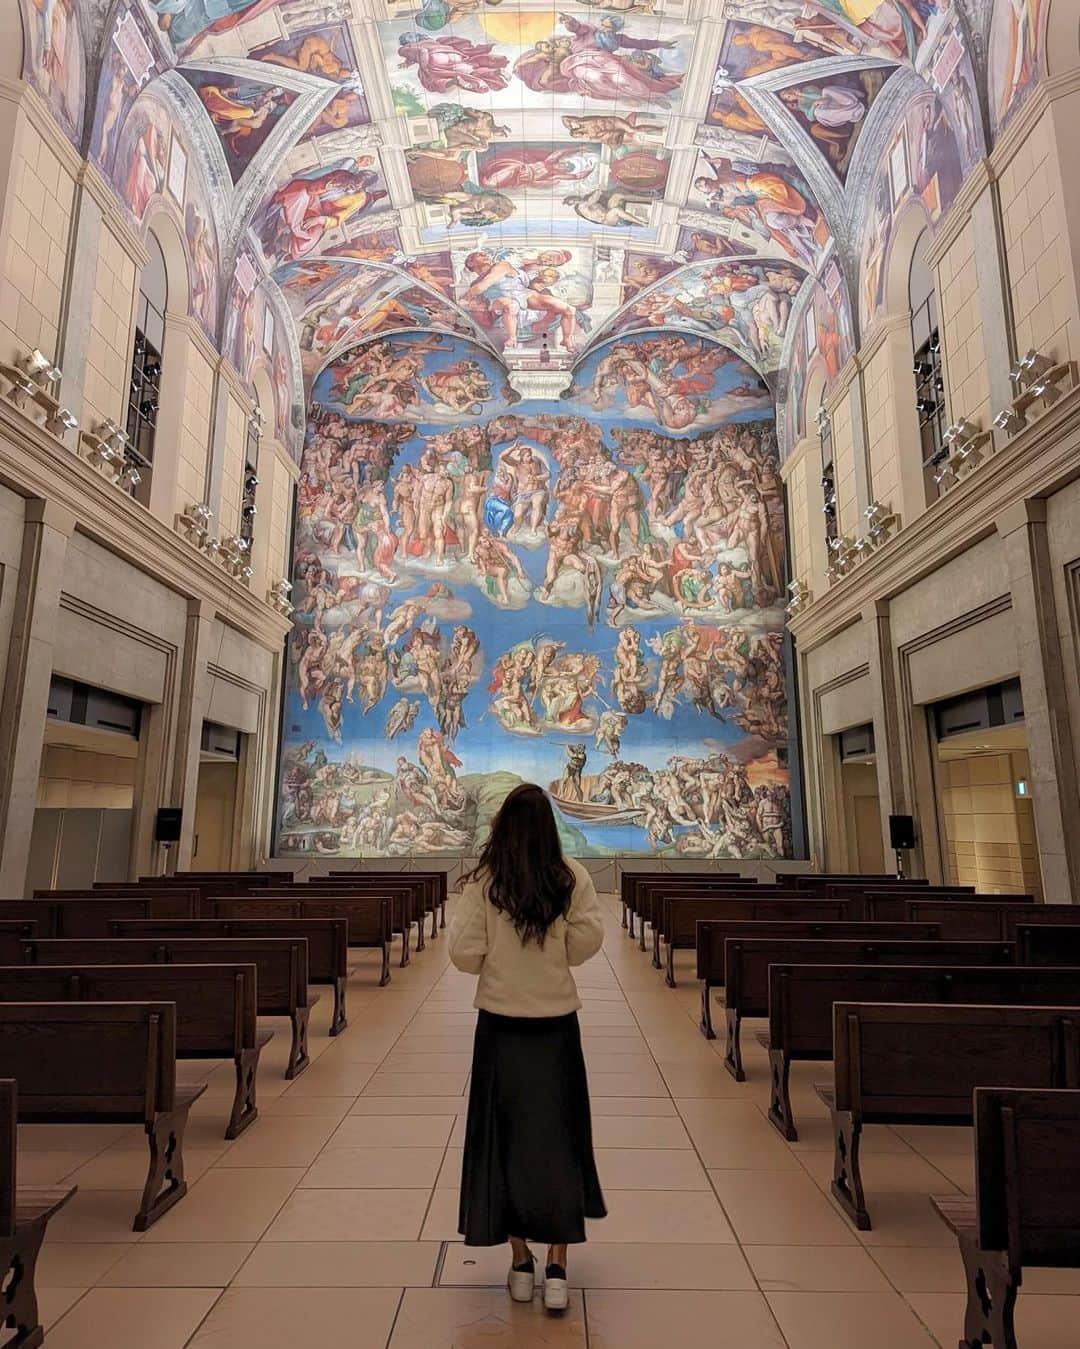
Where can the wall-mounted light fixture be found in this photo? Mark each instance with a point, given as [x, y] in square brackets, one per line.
[279, 596]
[195, 522]
[880, 520]
[1037, 378]
[799, 596]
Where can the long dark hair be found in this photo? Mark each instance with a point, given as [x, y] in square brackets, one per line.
[522, 864]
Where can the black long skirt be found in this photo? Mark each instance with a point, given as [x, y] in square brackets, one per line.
[529, 1169]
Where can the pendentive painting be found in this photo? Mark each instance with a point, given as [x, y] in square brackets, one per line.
[586, 594]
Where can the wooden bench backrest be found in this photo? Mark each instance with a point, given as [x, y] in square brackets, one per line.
[215, 1004]
[13, 933]
[90, 1059]
[747, 961]
[369, 918]
[1047, 943]
[986, 919]
[711, 935]
[327, 938]
[432, 888]
[809, 880]
[407, 901]
[629, 876]
[890, 905]
[801, 996]
[9, 1102]
[1027, 1168]
[281, 962]
[896, 1062]
[679, 915]
[90, 915]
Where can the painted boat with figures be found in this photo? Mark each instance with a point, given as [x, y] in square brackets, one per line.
[593, 810]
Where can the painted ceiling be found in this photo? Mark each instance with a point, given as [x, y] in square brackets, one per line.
[541, 177]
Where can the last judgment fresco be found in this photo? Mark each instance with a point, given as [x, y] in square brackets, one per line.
[585, 594]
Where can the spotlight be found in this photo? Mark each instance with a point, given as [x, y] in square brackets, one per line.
[41, 368]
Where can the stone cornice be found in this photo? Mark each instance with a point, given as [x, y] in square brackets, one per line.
[34, 463]
[883, 330]
[193, 329]
[980, 178]
[11, 91]
[96, 185]
[39, 115]
[1036, 463]
[282, 455]
[1014, 136]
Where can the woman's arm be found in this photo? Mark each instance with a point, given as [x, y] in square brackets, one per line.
[584, 924]
[468, 931]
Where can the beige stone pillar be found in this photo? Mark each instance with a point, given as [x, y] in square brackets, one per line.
[46, 531]
[882, 673]
[195, 688]
[1054, 797]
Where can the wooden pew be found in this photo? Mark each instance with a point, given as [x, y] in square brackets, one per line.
[677, 917]
[407, 904]
[368, 918]
[435, 880]
[889, 906]
[747, 962]
[215, 1010]
[903, 1064]
[12, 935]
[810, 880]
[712, 933]
[327, 944]
[1027, 1209]
[24, 1214]
[987, 919]
[89, 915]
[648, 898]
[801, 999]
[629, 878]
[105, 1063]
[281, 962]
[1047, 943]
[640, 894]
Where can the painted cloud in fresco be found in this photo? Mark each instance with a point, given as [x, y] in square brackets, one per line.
[579, 597]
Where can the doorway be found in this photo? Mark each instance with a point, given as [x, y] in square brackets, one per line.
[215, 815]
[984, 803]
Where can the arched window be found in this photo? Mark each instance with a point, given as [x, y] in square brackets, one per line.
[929, 376]
[145, 388]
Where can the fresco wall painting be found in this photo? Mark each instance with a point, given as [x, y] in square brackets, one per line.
[1014, 57]
[55, 60]
[587, 597]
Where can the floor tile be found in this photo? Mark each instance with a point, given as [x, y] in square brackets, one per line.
[189, 1264]
[350, 1215]
[779, 1208]
[643, 1320]
[403, 1131]
[340, 1264]
[729, 1133]
[76, 1264]
[650, 1169]
[471, 1318]
[640, 1131]
[601, 1265]
[133, 1318]
[353, 1168]
[227, 1205]
[1041, 1322]
[814, 1269]
[650, 1215]
[283, 1318]
[848, 1321]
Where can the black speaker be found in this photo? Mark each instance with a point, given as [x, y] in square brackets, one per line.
[901, 832]
[167, 825]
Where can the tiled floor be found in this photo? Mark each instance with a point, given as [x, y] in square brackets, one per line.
[332, 1222]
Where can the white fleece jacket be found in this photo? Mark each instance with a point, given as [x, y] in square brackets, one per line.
[526, 980]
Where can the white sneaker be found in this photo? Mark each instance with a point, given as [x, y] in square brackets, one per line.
[521, 1283]
[556, 1289]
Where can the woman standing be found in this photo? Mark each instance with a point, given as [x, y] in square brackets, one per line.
[528, 914]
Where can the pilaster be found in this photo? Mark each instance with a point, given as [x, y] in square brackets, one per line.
[195, 687]
[882, 673]
[46, 531]
[1055, 802]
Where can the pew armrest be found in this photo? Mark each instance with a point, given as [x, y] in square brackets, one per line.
[958, 1212]
[38, 1203]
